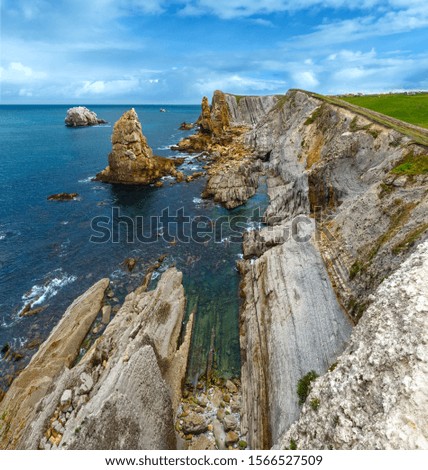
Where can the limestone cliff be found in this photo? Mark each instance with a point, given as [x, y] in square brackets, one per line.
[131, 160]
[122, 394]
[306, 280]
[80, 116]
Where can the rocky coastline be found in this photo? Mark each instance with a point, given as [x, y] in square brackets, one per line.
[334, 300]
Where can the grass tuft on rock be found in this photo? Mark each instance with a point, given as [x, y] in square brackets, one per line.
[304, 386]
[412, 165]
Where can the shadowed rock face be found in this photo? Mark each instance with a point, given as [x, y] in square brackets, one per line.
[131, 160]
[80, 116]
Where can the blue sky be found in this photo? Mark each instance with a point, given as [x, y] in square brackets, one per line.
[158, 51]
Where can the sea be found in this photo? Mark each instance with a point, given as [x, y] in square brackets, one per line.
[53, 251]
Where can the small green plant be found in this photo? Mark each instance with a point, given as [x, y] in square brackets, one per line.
[313, 116]
[242, 445]
[412, 165]
[315, 403]
[293, 445]
[356, 268]
[332, 367]
[304, 386]
[282, 99]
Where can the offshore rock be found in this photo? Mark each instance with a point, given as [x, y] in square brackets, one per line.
[124, 390]
[80, 116]
[376, 397]
[131, 160]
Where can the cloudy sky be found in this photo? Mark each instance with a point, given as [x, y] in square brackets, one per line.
[159, 51]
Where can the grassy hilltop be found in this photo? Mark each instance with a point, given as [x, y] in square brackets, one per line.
[409, 108]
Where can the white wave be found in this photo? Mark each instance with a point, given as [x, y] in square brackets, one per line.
[155, 275]
[2, 235]
[240, 256]
[198, 200]
[164, 147]
[65, 222]
[40, 293]
[86, 180]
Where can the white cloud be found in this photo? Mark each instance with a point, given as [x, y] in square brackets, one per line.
[237, 83]
[305, 79]
[108, 88]
[17, 72]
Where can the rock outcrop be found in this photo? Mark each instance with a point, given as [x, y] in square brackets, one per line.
[122, 394]
[376, 397]
[131, 160]
[80, 116]
[233, 171]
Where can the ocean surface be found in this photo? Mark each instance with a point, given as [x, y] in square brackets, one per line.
[48, 255]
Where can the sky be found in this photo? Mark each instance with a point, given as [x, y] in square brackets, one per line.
[175, 52]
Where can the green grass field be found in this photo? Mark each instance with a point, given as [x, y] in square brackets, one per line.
[408, 108]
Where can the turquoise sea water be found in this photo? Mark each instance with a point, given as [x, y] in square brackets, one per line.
[47, 258]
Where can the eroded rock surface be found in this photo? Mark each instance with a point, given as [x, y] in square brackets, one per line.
[131, 160]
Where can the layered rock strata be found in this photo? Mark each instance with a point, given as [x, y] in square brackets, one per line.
[80, 116]
[122, 394]
[335, 170]
[376, 397]
[131, 160]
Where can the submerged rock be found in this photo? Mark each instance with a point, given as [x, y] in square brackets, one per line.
[81, 116]
[131, 160]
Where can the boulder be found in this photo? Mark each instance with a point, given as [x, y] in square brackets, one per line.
[194, 423]
[80, 116]
[230, 423]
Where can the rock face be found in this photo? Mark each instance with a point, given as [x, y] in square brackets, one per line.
[340, 220]
[19, 406]
[80, 116]
[122, 394]
[131, 160]
[376, 397]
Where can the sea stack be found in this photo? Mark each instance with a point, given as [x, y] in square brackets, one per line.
[131, 160]
[80, 116]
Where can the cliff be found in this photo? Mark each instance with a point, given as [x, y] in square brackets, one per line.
[131, 160]
[343, 215]
[80, 116]
[123, 392]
